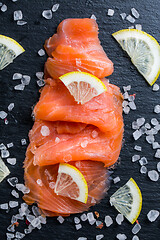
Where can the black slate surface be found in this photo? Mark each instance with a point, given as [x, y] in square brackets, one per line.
[32, 37]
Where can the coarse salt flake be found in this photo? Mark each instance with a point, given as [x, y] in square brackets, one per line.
[45, 131]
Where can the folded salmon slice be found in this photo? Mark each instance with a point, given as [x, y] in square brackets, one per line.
[76, 46]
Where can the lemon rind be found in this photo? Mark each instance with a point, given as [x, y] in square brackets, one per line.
[12, 44]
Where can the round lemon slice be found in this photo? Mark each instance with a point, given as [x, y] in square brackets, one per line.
[9, 50]
[83, 86]
[128, 200]
[4, 171]
[71, 183]
[143, 50]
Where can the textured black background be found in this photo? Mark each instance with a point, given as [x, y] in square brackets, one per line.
[32, 37]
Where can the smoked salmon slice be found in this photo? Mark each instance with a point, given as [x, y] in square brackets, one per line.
[76, 46]
[87, 136]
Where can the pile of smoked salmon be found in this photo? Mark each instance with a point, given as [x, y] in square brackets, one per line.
[67, 124]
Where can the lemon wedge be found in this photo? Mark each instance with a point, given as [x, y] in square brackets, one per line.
[9, 50]
[128, 200]
[4, 171]
[71, 183]
[143, 50]
[83, 86]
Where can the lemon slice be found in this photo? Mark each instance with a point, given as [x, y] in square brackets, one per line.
[128, 200]
[9, 50]
[83, 86]
[4, 171]
[144, 51]
[71, 183]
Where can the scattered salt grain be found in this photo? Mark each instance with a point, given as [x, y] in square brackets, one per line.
[22, 188]
[127, 88]
[18, 216]
[39, 75]
[135, 125]
[108, 221]
[4, 206]
[76, 220]
[152, 215]
[137, 134]
[23, 141]
[138, 26]
[19, 87]
[17, 76]
[45, 131]
[1, 4]
[82, 238]
[110, 12]
[116, 180]
[41, 52]
[30, 218]
[135, 158]
[131, 98]
[35, 222]
[12, 161]
[35, 211]
[119, 218]
[93, 17]
[39, 182]
[12, 181]
[43, 220]
[83, 217]
[25, 80]
[19, 235]
[126, 110]
[10, 235]
[121, 236]
[40, 83]
[157, 154]
[47, 14]
[15, 194]
[98, 223]
[157, 109]
[131, 27]
[125, 103]
[143, 170]
[157, 127]
[135, 13]
[11, 228]
[147, 125]
[91, 218]
[5, 153]
[21, 23]
[153, 175]
[2, 146]
[158, 166]
[135, 238]
[55, 7]
[84, 144]
[138, 148]
[57, 140]
[126, 95]
[140, 121]
[60, 219]
[4, 8]
[52, 185]
[155, 87]
[100, 236]
[10, 107]
[143, 161]
[154, 121]
[132, 105]
[94, 134]
[130, 19]
[3, 114]
[78, 226]
[17, 15]
[136, 228]
[123, 15]
[13, 204]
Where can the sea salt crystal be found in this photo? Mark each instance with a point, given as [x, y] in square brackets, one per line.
[17, 15]
[12, 181]
[119, 218]
[60, 219]
[121, 236]
[126, 110]
[4, 206]
[83, 217]
[43, 220]
[13, 204]
[18, 216]
[142, 130]
[147, 125]
[84, 143]
[3, 114]
[17, 76]
[130, 19]
[127, 88]
[41, 52]
[143, 161]
[140, 121]
[47, 14]
[45, 131]
[78, 226]
[153, 175]
[157, 154]
[39, 182]
[25, 80]
[158, 166]
[11, 228]
[23, 141]
[2, 146]
[125, 103]
[19, 235]
[40, 83]
[110, 12]
[19, 87]
[126, 95]
[116, 180]
[157, 109]
[100, 236]
[5, 153]
[15, 194]
[4, 8]
[135, 158]
[135, 238]
[10, 235]
[135, 13]
[91, 218]
[52, 185]
[82, 238]
[93, 17]
[76, 220]
[22, 188]
[132, 105]
[30, 218]
[157, 127]
[136, 228]
[21, 23]
[143, 170]
[155, 87]
[135, 125]
[154, 121]
[39, 75]
[131, 27]
[138, 26]
[55, 7]
[108, 221]
[137, 134]
[94, 134]
[12, 161]
[35, 222]
[123, 15]
[131, 98]
[10, 107]
[35, 211]
[153, 215]
[138, 148]
[57, 140]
